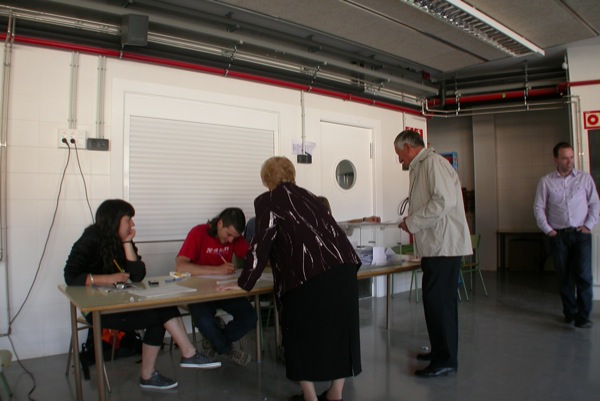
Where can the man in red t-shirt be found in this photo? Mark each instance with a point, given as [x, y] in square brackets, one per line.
[208, 250]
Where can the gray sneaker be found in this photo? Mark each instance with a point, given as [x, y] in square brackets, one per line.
[238, 355]
[199, 361]
[158, 382]
[208, 349]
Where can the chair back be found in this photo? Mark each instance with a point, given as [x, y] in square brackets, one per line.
[475, 240]
[5, 358]
[470, 264]
[472, 261]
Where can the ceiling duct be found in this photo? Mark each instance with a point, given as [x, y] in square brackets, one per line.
[199, 39]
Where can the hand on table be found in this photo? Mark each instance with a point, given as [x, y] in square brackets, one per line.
[228, 287]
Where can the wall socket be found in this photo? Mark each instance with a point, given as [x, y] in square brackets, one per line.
[97, 144]
[78, 135]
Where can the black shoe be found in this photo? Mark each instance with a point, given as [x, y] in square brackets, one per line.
[569, 319]
[323, 397]
[158, 382]
[434, 372]
[424, 356]
[583, 323]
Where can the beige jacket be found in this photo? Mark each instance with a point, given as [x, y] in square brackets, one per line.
[436, 214]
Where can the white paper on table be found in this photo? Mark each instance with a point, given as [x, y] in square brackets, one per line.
[379, 255]
[161, 291]
[233, 276]
[233, 279]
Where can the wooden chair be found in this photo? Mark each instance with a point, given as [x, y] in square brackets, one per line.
[470, 265]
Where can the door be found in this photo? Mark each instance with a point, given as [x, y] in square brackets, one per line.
[347, 185]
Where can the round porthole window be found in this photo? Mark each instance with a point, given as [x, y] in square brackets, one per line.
[345, 174]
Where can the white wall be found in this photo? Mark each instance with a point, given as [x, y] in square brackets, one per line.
[455, 135]
[584, 71]
[502, 157]
[38, 109]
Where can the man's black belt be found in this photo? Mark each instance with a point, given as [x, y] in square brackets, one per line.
[566, 230]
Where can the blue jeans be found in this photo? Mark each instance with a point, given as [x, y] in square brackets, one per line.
[244, 320]
[572, 256]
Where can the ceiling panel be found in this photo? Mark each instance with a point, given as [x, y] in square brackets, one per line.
[588, 11]
[545, 23]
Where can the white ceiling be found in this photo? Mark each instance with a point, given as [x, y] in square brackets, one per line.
[377, 38]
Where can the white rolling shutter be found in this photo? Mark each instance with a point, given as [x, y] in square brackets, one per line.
[183, 173]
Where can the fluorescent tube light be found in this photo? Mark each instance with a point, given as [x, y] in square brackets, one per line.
[472, 21]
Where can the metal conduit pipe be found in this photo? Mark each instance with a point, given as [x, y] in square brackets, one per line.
[210, 70]
[100, 97]
[72, 119]
[559, 90]
[498, 109]
[239, 38]
[6, 65]
[488, 97]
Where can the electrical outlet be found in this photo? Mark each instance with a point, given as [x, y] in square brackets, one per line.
[97, 144]
[79, 136]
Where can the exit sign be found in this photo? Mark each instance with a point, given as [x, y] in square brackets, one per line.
[417, 130]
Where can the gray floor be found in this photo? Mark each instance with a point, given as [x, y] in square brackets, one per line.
[514, 346]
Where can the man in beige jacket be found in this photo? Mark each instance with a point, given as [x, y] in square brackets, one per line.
[436, 218]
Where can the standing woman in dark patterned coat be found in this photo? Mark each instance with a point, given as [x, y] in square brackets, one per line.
[314, 267]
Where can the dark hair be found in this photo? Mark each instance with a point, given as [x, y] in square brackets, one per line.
[410, 137]
[232, 216]
[559, 146]
[108, 219]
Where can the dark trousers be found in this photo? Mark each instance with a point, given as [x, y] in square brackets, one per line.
[572, 256]
[152, 321]
[440, 302]
[244, 320]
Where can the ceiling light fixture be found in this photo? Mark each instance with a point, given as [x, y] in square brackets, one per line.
[472, 21]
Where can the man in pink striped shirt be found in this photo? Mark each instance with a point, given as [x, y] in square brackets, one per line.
[566, 209]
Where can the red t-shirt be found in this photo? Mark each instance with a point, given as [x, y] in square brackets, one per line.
[205, 250]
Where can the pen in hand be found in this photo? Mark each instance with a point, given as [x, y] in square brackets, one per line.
[118, 267]
[229, 265]
[124, 276]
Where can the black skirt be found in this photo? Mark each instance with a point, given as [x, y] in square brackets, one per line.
[320, 327]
